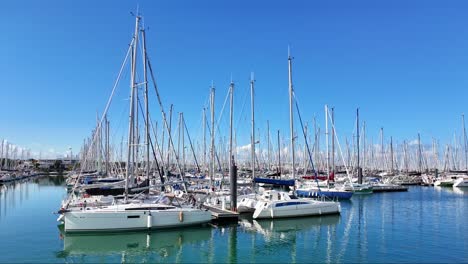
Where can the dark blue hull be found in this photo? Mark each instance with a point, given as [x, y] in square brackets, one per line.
[325, 193]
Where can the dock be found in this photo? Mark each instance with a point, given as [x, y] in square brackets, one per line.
[396, 188]
[221, 215]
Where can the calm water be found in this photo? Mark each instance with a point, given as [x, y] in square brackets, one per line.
[425, 224]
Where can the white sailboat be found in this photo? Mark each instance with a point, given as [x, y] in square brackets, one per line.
[280, 205]
[165, 212]
[461, 181]
[274, 204]
[133, 216]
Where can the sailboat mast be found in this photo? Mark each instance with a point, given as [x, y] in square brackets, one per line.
[169, 131]
[333, 140]
[182, 124]
[291, 117]
[464, 143]
[357, 147]
[130, 123]
[107, 144]
[147, 121]
[179, 130]
[326, 144]
[212, 151]
[252, 136]
[231, 113]
[204, 139]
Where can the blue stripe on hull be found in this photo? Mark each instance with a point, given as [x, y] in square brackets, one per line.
[328, 194]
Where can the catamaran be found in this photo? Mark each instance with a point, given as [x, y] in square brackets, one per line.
[275, 204]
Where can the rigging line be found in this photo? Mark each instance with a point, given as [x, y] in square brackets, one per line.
[305, 139]
[242, 111]
[165, 121]
[119, 125]
[221, 115]
[191, 146]
[341, 152]
[152, 147]
[109, 101]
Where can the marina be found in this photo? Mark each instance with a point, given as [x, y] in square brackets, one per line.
[284, 160]
[380, 228]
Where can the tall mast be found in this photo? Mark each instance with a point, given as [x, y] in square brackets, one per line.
[304, 155]
[464, 143]
[326, 144]
[106, 122]
[212, 151]
[291, 117]
[179, 130]
[130, 123]
[252, 136]
[204, 139]
[231, 113]
[357, 147]
[182, 123]
[333, 140]
[316, 150]
[169, 136]
[147, 121]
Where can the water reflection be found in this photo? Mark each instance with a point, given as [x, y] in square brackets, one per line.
[288, 239]
[287, 226]
[16, 193]
[460, 191]
[166, 243]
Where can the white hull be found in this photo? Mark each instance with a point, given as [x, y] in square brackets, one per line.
[114, 218]
[246, 205]
[295, 208]
[461, 182]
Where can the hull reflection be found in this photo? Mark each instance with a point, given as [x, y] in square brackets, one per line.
[104, 243]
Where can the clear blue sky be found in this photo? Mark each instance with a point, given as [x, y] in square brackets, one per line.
[404, 63]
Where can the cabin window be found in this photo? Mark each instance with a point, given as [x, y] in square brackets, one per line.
[133, 216]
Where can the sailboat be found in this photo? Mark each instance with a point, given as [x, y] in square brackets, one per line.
[275, 204]
[323, 189]
[360, 187]
[167, 211]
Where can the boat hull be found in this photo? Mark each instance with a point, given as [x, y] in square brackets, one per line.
[102, 221]
[279, 210]
[461, 182]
